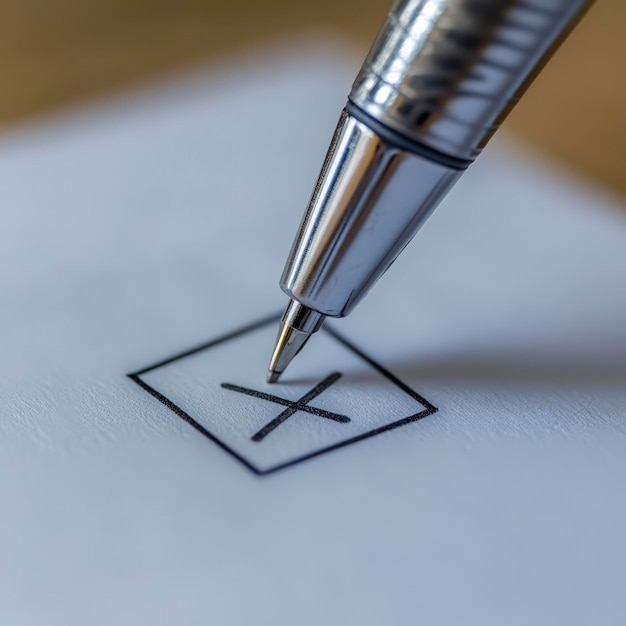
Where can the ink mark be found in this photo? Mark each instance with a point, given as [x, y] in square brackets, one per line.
[292, 407]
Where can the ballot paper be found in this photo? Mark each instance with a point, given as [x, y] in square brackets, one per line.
[454, 452]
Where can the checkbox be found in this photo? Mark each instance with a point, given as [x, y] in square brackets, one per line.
[333, 395]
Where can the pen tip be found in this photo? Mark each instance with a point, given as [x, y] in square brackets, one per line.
[272, 377]
[290, 339]
[288, 343]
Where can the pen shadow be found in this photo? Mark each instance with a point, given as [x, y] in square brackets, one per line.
[503, 371]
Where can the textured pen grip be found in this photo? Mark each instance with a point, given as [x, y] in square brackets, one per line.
[445, 73]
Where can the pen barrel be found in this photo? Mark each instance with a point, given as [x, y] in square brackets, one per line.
[371, 197]
[445, 73]
[439, 80]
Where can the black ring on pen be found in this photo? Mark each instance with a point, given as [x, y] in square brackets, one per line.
[396, 139]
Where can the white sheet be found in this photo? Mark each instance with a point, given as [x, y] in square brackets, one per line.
[141, 228]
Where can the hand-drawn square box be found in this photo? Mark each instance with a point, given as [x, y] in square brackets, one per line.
[331, 396]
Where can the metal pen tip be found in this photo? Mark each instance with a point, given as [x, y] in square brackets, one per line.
[297, 325]
[272, 377]
[288, 343]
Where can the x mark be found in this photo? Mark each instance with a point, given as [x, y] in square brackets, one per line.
[292, 407]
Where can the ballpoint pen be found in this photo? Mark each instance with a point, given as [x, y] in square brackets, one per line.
[439, 80]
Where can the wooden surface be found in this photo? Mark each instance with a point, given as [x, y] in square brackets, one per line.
[53, 54]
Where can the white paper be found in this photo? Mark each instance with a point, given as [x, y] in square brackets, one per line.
[144, 227]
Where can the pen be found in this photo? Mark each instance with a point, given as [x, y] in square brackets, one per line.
[438, 81]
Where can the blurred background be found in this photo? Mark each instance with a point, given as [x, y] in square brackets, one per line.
[54, 55]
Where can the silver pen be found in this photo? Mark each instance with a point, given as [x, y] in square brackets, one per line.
[439, 80]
